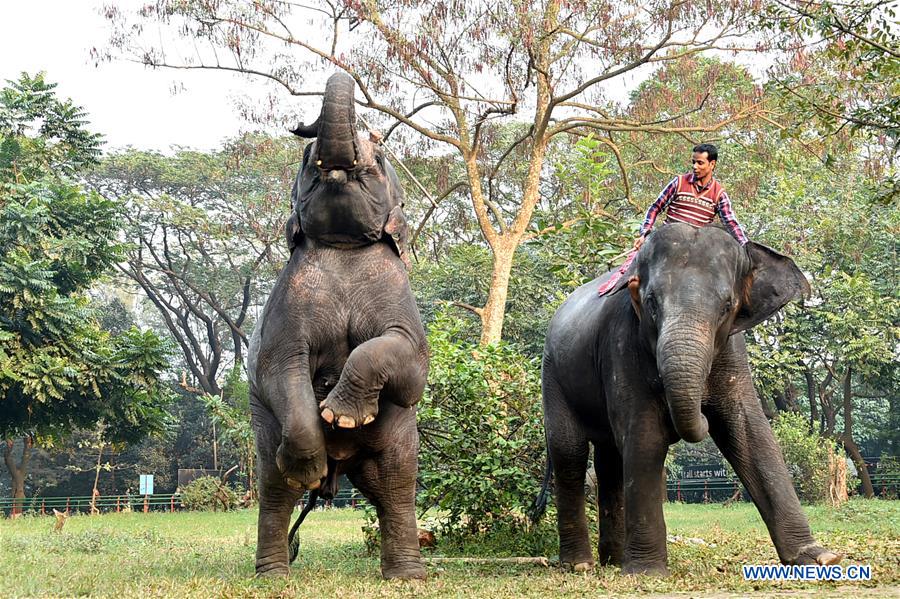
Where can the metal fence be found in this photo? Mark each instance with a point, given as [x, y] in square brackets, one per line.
[718, 489]
[159, 502]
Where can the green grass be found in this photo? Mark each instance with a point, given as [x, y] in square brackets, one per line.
[211, 555]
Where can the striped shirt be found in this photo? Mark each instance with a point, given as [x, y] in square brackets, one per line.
[685, 202]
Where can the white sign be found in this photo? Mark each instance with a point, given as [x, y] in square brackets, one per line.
[146, 484]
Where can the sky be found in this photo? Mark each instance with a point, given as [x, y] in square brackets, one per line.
[126, 102]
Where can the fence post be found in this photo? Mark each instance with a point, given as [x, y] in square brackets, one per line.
[680, 497]
[146, 504]
[172, 504]
[43, 505]
[706, 491]
[67, 504]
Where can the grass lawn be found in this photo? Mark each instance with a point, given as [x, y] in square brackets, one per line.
[191, 554]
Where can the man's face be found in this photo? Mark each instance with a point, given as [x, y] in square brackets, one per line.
[703, 167]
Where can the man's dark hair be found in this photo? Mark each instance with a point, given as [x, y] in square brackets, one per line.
[711, 152]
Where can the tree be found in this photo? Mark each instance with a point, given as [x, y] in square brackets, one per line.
[853, 78]
[541, 65]
[208, 232]
[59, 371]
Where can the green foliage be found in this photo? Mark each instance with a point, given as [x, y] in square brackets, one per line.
[232, 413]
[204, 494]
[809, 456]
[584, 240]
[482, 449]
[40, 133]
[853, 76]
[58, 369]
[462, 276]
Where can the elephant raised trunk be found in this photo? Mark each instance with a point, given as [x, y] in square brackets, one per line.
[336, 146]
[684, 359]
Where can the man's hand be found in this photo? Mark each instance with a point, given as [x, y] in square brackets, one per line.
[638, 243]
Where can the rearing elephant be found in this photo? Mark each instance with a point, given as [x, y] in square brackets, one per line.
[339, 358]
[659, 359]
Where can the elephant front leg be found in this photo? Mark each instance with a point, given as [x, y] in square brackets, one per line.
[276, 500]
[390, 361]
[644, 453]
[740, 429]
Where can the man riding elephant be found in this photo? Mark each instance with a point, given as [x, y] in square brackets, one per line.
[339, 359]
[659, 358]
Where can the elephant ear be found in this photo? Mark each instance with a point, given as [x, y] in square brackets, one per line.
[292, 233]
[397, 231]
[773, 281]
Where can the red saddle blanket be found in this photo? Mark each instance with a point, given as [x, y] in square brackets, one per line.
[610, 283]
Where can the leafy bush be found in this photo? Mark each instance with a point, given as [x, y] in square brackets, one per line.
[203, 493]
[814, 461]
[481, 431]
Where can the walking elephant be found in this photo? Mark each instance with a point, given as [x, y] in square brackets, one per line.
[657, 359]
[339, 359]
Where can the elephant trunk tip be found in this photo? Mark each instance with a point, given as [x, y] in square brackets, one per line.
[336, 177]
[694, 431]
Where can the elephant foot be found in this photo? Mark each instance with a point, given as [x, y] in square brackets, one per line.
[303, 472]
[342, 413]
[404, 571]
[648, 569]
[815, 555]
[582, 567]
[272, 570]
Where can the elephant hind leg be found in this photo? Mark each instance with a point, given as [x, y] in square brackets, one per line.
[611, 503]
[388, 481]
[568, 449]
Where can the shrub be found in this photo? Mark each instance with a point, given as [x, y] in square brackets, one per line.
[203, 493]
[815, 463]
[482, 453]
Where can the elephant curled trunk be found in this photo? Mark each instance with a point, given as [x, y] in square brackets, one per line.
[684, 360]
[335, 129]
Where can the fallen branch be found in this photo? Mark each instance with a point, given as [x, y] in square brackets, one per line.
[537, 561]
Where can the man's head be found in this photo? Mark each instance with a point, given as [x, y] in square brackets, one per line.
[704, 160]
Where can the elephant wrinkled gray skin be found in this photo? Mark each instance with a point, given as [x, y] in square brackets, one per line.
[657, 360]
[339, 358]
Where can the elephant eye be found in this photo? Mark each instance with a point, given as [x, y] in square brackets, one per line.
[727, 307]
[651, 305]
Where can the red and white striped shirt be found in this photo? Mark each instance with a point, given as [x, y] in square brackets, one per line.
[684, 200]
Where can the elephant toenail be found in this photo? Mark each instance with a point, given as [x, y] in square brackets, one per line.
[328, 415]
[294, 484]
[582, 567]
[827, 558]
[346, 422]
[368, 419]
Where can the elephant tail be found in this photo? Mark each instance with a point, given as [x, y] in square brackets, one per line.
[539, 505]
[293, 539]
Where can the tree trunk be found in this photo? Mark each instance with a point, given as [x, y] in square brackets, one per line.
[94, 492]
[847, 437]
[492, 315]
[766, 405]
[18, 472]
[813, 399]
